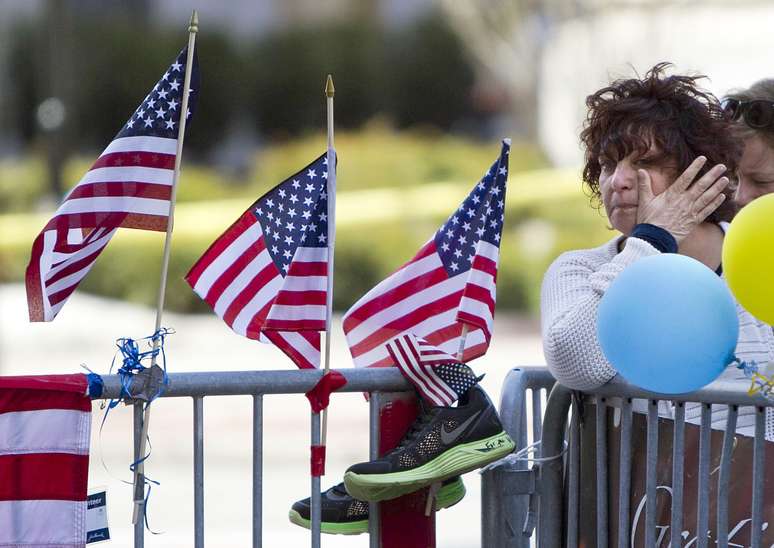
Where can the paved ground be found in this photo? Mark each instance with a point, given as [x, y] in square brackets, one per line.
[85, 332]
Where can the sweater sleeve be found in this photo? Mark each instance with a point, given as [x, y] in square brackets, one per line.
[572, 289]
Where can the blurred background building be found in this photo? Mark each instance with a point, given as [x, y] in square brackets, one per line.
[478, 68]
[425, 88]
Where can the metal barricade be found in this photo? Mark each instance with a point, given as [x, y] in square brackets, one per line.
[508, 496]
[257, 384]
[557, 483]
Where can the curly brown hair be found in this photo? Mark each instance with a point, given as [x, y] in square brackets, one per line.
[671, 112]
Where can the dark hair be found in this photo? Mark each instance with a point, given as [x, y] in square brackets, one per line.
[762, 89]
[671, 112]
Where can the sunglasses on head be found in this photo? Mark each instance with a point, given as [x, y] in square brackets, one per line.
[757, 114]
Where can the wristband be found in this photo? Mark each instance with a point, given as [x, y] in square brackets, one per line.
[656, 236]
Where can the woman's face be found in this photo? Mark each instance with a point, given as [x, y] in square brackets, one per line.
[756, 171]
[618, 185]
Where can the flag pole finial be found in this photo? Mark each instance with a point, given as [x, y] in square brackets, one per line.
[193, 26]
[329, 89]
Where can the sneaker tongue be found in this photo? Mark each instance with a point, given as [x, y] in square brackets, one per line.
[339, 489]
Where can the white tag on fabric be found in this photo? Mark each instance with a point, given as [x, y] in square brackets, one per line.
[97, 529]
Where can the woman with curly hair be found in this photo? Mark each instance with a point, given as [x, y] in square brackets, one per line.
[660, 157]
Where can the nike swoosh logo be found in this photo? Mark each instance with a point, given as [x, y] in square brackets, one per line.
[447, 438]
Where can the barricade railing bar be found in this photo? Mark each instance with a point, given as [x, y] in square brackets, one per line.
[257, 384]
[557, 482]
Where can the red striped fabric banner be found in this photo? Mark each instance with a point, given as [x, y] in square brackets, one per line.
[45, 426]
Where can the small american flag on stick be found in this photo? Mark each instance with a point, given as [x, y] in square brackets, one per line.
[449, 283]
[417, 359]
[129, 186]
[266, 276]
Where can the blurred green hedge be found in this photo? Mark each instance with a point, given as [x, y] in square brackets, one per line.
[379, 226]
[365, 254]
[375, 157]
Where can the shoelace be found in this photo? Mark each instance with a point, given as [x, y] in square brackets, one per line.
[426, 415]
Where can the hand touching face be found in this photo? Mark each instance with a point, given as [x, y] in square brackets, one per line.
[644, 188]
[618, 185]
[686, 203]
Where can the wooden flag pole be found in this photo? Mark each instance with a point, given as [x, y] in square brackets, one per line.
[329, 92]
[139, 470]
[463, 336]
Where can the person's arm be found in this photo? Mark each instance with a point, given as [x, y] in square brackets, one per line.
[572, 289]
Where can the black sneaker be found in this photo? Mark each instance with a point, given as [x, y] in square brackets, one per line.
[343, 515]
[443, 442]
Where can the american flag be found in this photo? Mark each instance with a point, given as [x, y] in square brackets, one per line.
[129, 186]
[450, 282]
[266, 276]
[417, 359]
[45, 425]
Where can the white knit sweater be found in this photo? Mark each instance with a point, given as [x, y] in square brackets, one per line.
[572, 289]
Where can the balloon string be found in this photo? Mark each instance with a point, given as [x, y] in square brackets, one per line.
[759, 383]
[132, 358]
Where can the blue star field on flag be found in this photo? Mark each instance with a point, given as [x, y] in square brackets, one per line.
[159, 113]
[295, 213]
[480, 217]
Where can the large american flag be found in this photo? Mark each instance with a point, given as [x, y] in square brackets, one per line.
[449, 283]
[129, 186]
[45, 425]
[266, 276]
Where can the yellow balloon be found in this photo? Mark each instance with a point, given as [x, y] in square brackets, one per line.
[748, 258]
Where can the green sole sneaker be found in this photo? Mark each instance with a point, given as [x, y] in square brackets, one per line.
[453, 462]
[451, 492]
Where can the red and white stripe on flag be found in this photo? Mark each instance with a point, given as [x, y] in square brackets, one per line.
[45, 426]
[104, 200]
[264, 278]
[130, 186]
[416, 358]
[449, 283]
[477, 305]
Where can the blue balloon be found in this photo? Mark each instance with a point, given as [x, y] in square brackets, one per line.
[668, 324]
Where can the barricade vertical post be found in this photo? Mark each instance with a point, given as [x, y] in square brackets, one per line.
[678, 465]
[624, 473]
[601, 469]
[724, 477]
[537, 414]
[373, 452]
[758, 469]
[573, 477]
[403, 523]
[257, 470]
[316, 509]
[552, 476]
[651, 481]
[702, 518]
[139, 532]
[198, 442]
